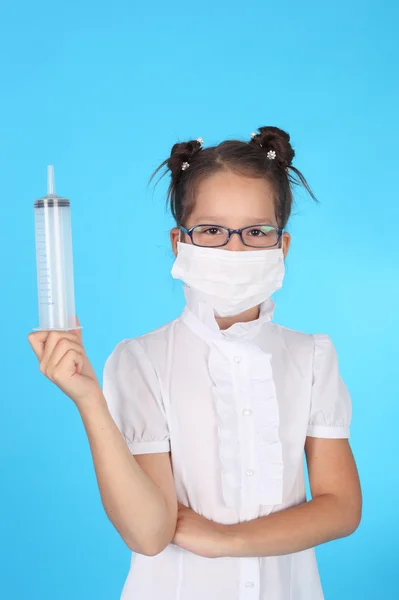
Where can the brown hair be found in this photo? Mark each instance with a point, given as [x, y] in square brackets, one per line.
[252, 159]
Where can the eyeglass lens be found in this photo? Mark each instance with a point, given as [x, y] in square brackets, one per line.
[257, 236]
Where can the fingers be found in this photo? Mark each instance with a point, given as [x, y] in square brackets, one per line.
[66, 339]
[62, 348]
[70, 364]
[44, 342]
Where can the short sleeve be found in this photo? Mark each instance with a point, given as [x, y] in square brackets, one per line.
[132, 392]
[331, 407]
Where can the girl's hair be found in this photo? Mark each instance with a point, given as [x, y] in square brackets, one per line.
[250, 159]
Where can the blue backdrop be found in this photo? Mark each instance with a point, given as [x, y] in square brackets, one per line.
[102, 91]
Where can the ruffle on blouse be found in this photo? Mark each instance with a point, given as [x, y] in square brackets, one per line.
[251, 371]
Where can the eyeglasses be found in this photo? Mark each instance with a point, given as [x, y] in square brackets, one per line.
[215, 236]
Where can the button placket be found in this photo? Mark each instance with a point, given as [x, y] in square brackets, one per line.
[243, 381]
[250, 578]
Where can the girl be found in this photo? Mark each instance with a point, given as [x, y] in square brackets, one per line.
[199, 431]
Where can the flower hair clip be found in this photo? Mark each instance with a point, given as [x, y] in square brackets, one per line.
[186, 164]
[271, 153]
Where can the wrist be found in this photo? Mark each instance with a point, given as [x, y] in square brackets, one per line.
[231, 542]
[95, 403]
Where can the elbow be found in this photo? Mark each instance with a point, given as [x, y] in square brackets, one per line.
[352, 520]
[152, 544]
[148, 548]
[355, 522]
[155, 549]
[153, 540]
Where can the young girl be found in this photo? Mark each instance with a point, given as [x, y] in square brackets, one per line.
[199, 432]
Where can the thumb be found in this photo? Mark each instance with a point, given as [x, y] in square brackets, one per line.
[78, 332]
[37, 341]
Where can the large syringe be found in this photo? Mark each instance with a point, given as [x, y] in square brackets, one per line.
[54, 260]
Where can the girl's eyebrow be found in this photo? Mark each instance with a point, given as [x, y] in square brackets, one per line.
[217, 221]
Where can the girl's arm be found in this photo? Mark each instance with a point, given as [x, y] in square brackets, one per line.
[140, 500]
[333, 512]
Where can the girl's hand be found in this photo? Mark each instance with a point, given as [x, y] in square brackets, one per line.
[199, 535]
[63, 360]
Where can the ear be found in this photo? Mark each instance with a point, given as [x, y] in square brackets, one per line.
[174, 238]
[286, 243]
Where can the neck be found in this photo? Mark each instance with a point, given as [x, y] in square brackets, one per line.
[249, 315]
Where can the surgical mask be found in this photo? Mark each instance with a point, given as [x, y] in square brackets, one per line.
[230, 281]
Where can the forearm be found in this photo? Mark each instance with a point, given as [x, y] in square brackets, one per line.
[291, 530]
[132, 501]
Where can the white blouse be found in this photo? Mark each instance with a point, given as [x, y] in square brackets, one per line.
[234, 408]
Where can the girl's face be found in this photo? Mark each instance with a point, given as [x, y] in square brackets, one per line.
[234, 201]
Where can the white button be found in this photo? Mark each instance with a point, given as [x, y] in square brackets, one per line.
[250, 473]
[246, 412]
[249, 584]
[237, 359]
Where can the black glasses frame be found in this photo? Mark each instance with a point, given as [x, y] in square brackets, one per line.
[230, 232]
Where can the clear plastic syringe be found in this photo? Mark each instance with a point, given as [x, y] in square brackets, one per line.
[54, 260]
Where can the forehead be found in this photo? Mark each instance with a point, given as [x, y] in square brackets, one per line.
[228, 195]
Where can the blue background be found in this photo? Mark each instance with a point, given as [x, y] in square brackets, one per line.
[102, 91]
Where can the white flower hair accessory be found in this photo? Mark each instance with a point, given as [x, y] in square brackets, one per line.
[185, 165]
[253, 134]
[271, 154]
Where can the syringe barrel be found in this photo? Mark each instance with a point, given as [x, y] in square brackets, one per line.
[55, 281]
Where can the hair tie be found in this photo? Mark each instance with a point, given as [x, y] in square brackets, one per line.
[271, 154]
[186, 164]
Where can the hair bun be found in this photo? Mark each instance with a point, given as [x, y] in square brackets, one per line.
[273, 138]
[183, 152]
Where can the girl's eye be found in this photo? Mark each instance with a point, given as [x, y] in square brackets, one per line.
[210, 235]
[260, 232]
[208, 230]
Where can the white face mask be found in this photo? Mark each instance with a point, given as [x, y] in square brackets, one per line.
[230, 281]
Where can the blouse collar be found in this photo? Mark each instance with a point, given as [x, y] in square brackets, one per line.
[199, 316]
